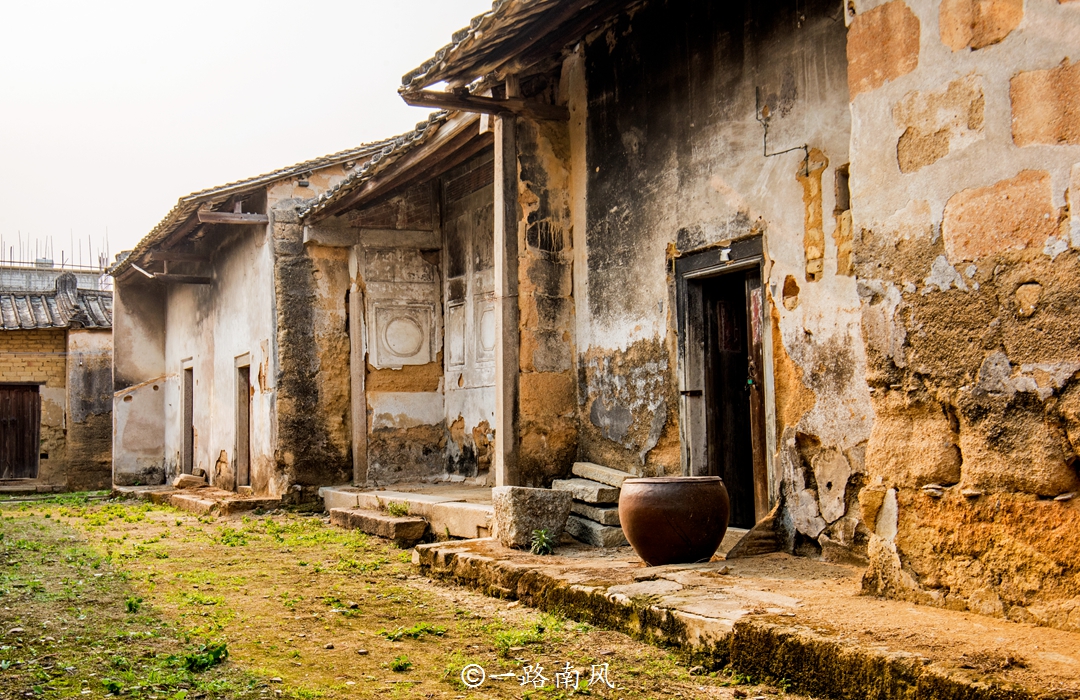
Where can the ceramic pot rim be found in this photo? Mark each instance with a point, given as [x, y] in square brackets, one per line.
[674, 480]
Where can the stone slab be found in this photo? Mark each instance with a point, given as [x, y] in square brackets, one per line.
[593, 533]
[520, 511]
[188, 481]
[419, 503]
[468, 520]
[339, 497]
[587, 490]
[604, 515]
[404, 530]
[600, 473]
[212, 500]
[192, 503]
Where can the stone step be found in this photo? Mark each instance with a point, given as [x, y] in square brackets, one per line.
[417, 503]
[405, 530]
[597, 472]
[339, 496]
[594, 533]
[587, 490]
[467, 520]
[600, 514]
[446, 515]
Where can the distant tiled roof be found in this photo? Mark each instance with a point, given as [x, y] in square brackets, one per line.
[511, 30]
[188, 205]
[65, 307]
[392, 150]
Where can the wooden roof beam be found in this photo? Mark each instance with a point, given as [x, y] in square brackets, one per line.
[464, 102]
[230, 217]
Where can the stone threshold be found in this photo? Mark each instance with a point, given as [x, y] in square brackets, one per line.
[773, 617]
[200, 501]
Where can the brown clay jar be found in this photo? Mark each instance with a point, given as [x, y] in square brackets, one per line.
[674, 519]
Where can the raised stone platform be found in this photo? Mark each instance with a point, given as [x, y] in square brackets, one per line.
[778, 616]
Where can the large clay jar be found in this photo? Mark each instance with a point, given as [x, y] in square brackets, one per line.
[674, 519]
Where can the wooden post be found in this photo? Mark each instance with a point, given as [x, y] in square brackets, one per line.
[507, 365]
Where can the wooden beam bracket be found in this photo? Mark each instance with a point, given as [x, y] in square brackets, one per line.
[229, 217]
[463, 102]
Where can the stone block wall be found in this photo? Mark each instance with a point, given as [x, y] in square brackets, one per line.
[964, 162]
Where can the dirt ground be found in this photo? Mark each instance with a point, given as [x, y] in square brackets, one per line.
[128, 599]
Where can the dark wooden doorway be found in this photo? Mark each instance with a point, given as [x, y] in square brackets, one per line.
[189, 421]
[734, 391]
[20, 431]
[243, 426]
[722, 362]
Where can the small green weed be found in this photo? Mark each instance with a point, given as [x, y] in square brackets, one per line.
[209, 655]
[542, 543]
[400, 664]
[231, 537]
[132, 604]
[415, 632]
[398, 510]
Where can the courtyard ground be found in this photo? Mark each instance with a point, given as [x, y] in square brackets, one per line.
[127, 599]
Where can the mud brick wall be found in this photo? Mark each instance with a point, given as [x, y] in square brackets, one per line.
[548, 427]
[40, 357]
[965, 174]
[313, 430]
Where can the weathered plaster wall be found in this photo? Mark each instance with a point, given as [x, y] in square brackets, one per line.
[965, 154]
[89, 409]
[212, 329]
[677, 93]
[138, 373]
[38, 357]
[468, 225]
[402, 286]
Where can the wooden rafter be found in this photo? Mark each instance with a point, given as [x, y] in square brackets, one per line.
[463, 102]
[229, 217]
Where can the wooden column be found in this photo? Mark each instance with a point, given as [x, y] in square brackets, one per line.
[507, 350]
[358, 372]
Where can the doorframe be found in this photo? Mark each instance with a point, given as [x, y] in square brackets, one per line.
[36, 440]
[696, 266]
[243, 414]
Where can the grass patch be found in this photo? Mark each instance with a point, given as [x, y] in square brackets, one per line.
[140, 601]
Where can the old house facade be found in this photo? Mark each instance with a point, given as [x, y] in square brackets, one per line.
[231, 338]
[418, 227]
[55, 380]
[824, 251]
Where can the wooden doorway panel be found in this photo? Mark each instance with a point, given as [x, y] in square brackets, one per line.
[722, 357]
[20, 431]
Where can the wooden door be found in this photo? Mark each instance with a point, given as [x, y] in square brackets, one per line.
[20, 431]
[734, 392]
[243, 426]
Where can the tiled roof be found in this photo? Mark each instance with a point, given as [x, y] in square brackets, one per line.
[65, 307]
[188, 205]
[510, 29]
[392, 151]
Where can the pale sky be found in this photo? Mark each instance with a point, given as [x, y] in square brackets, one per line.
[110, 111]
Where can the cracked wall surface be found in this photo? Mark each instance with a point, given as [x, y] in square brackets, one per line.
[962, 170]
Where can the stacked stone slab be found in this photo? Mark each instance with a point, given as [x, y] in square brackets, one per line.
[594, 515]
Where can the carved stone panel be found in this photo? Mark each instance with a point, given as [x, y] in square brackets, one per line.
[403, 334]
[455, 335]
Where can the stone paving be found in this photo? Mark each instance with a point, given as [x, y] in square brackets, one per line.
[777, 616]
